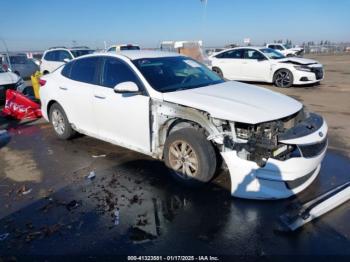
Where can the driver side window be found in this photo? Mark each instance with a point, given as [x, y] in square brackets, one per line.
[253, 54]
[115, 71]
[231, 54]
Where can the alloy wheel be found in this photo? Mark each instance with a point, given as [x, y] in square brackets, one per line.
[283, 79]
[183, 159]
[58, 121]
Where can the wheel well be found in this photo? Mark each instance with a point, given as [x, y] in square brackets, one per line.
[215, 67]
[182, 123]
[49, 105]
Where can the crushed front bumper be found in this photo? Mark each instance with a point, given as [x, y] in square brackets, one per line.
[278, 179]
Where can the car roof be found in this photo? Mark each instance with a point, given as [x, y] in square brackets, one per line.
[139, 54]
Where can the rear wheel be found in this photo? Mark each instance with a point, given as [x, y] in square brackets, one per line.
[60, 122]
[218, 72]
[190, 156]
[283, 78]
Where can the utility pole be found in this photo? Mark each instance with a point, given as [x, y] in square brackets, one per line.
[7, 52]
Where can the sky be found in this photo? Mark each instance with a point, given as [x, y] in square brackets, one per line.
[39, 24]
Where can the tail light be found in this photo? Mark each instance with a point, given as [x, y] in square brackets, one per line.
[42, 82]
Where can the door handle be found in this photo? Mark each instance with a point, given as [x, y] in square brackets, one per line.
[99, 96]
[63, 88]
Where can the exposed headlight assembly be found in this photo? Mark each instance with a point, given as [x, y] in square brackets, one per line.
[302, 68]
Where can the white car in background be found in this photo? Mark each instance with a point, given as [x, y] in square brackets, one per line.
[175, 109]
[123, 47]
[261, 64]
[286, 49]
[9, 80]
[55, 57]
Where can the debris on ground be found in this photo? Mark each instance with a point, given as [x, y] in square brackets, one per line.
[4, 236]
[73, 205]
[99, 156]
[24, 190]
[116, 217]
[91, 175]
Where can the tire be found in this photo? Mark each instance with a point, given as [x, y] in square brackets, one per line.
[202, 166]
[60, 123]
[218, 72]
[45, 72]
[283, 78]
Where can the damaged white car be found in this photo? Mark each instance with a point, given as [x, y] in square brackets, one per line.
[261, 64]
[175, 109]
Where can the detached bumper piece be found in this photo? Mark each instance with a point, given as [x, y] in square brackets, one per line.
[315, 208]
[20, 107]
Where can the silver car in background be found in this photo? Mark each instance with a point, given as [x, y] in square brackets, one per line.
[19, 64]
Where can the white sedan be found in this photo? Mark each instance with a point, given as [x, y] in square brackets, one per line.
[175, 109]
[261, 64]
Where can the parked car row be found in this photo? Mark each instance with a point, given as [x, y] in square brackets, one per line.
[175, 109]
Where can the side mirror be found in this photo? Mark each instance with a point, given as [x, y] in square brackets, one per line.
[66, 60]
[126, 87]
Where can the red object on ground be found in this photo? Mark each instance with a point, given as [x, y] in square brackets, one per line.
[20, 107]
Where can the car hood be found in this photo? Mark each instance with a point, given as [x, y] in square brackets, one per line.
[7, 78]
[235, 101]
[297, 61]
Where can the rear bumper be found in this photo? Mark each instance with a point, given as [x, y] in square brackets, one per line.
[277, 179]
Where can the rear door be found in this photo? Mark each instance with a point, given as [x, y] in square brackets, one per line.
[230, 63]
[255, 66]
[122, 119]
[76, 93]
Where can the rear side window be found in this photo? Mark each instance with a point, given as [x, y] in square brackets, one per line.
[112, 49]
[50, 56]
[85, 70]
[66, 70]
[116, 71]
[233, 54]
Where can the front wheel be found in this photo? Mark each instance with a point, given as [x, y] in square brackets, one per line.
[283, 78]
[190, 156]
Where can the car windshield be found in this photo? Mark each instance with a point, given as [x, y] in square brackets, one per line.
[77, 52]
[167, 74]
[129, 47]
[20, 59]
[271, 53]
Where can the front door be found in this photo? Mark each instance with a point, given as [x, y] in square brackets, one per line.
[230, 63]
[255, 66]
[123, 119]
